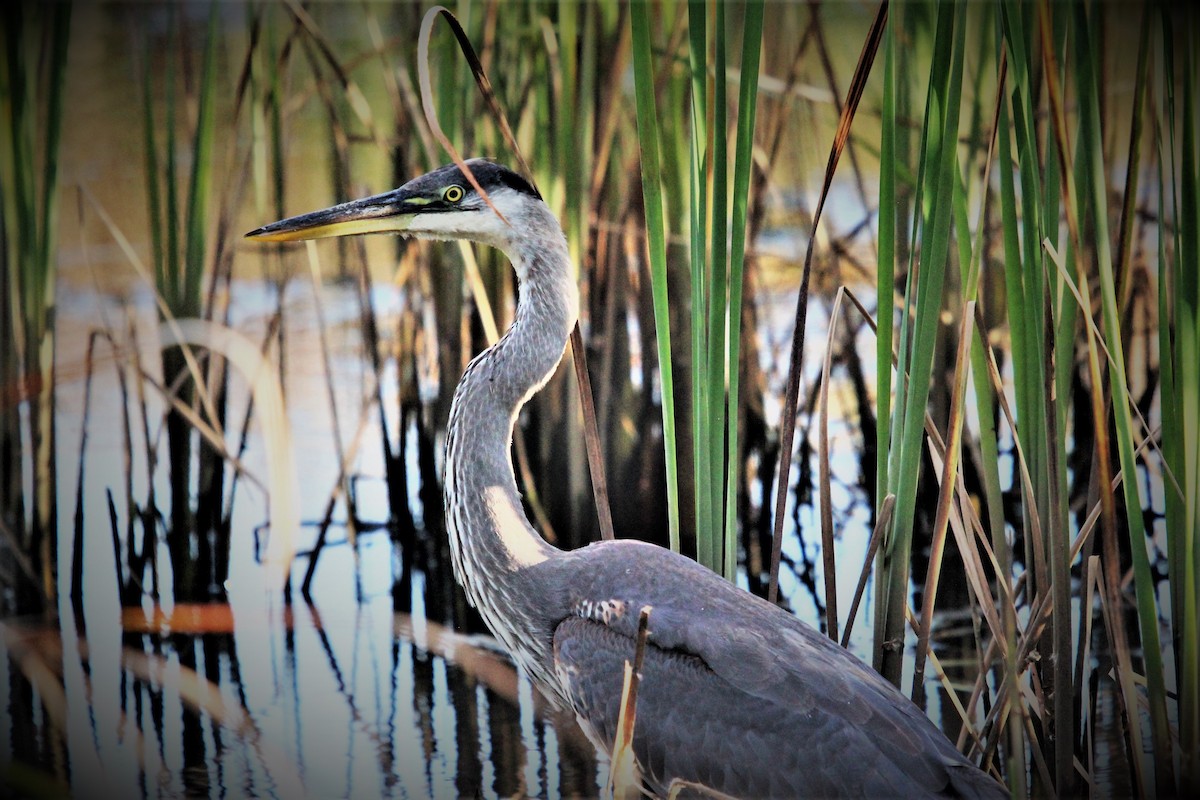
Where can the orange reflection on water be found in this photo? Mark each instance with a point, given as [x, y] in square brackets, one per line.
[186, 618]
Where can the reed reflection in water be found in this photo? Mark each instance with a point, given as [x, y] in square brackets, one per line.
[289, 702]
[364, 691]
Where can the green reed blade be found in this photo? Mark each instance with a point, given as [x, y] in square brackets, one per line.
[889, 401]
[173, 269]
[1187, 565]
[941, 121]
[53, 136]
[1022, 215]
[717, 311]
[701, 161]
[885, 275]
[153, 176]
[647, 124]
[1090, 150]
[1035, 221]
[19, 89]
[583, 128]
[1050, 451]
[31, 101]
[969, 346]
[986, 406]
[201, 177]
[743, 165]
[1058, 677]
[1179, 349]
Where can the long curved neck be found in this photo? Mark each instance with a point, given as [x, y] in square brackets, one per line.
[491, 539]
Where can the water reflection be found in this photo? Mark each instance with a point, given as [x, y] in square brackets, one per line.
[365, 690]
[210, 701]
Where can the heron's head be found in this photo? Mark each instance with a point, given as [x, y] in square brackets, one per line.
[440, 205]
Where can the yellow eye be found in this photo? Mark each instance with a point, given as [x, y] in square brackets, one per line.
[452, 194]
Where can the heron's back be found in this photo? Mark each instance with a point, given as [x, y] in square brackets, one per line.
[737, 695]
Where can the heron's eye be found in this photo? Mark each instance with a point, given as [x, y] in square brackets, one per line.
[452, 194]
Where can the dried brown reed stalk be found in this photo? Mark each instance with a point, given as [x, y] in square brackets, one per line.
[791, 397]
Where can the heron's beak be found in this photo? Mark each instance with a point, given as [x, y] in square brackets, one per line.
[391, 212]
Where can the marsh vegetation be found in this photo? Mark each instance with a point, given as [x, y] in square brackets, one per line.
[891, 314]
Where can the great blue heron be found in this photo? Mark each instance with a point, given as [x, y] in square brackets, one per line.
[737, 695]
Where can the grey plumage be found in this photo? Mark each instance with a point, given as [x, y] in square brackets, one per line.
[737, 695]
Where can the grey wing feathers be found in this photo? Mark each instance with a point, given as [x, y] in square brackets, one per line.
[740, 696]
[680, 732]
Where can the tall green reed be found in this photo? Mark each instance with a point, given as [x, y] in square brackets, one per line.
[717, 212]
[1085, 196]
[919, 327]
[179, 217]
[652, 181]
[32, 74]
[1178, 155]
[1067, 300]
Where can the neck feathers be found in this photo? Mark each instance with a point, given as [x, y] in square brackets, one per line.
[490, 536]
